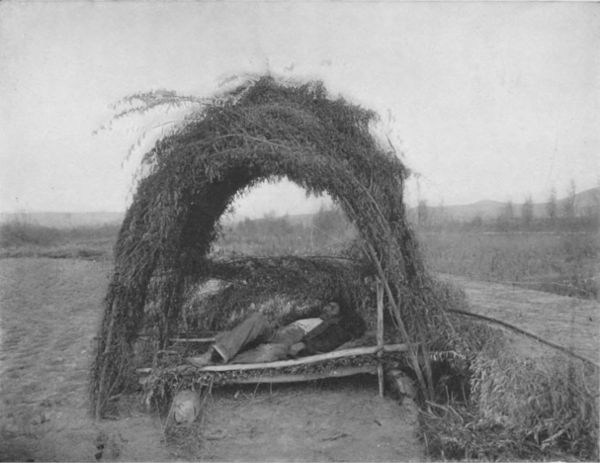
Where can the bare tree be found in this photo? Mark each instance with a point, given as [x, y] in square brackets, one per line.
[551, 205]
[441, 218]
[422, 213]
[509, 211]
[506, 216]
[569, 203]
[592, 209]
[330, 225]
[527, 211]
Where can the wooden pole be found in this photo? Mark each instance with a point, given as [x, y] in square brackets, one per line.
[300, 377]
[100, 399]
[379, 289]
[356, 351]
[199, 340]
[414, 358]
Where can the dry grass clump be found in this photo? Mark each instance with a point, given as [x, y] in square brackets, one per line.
[185, 439]
[283, 288]
[519, 407]
[550, 401]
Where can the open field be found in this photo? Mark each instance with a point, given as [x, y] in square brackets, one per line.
[50, 311]
[569, 322]
[560, 263]
[20, 239]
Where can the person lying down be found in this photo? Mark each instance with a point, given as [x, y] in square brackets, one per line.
[306, 336]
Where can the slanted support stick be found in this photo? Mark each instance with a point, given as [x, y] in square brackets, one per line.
[379, 288]
[100, 399]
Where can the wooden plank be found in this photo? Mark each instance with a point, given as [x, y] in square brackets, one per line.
[193, 339]
[294, 378]
[357, 351]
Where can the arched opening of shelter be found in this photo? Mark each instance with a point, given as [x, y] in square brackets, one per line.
[340, 281]
[277, 217]
[209, 204]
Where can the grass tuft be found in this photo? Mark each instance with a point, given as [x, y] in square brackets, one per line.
[534, 408]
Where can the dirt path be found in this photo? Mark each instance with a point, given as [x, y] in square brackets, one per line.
[342, 420]
[568, 321]
[49, 311]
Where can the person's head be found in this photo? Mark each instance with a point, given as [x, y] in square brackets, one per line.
[331, 310]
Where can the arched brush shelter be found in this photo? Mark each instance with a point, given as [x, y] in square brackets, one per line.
[262, 130]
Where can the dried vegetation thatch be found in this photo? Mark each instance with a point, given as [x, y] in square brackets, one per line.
[281, 288]
[262, 130]
[536, 405]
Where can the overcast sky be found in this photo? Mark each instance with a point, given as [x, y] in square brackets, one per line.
[486, 100]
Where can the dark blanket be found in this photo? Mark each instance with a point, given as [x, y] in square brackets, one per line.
[332, 333]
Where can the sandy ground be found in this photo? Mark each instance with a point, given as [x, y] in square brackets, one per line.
[49, 312]
[342, 420]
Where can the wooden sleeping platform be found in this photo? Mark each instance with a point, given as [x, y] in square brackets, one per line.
[336, 364]
[330, 372]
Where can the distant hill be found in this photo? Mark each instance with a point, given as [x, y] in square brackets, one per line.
[65, 219]
[588, 199]
[485, 209]
[585, 202]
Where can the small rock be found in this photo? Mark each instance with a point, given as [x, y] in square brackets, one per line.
[401, 384]
[215, 434]
[186, 406]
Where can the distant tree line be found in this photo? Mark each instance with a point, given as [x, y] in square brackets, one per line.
[330, 231]
[327, 231]
[559, 216]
